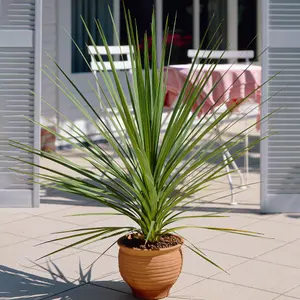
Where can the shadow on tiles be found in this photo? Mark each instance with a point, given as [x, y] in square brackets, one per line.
[43, 282]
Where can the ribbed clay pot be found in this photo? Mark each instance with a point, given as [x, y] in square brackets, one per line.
[150, 273]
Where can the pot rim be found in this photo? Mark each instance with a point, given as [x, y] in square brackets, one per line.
[148, 252]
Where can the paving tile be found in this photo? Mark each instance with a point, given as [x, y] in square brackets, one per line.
[294, 292]
[102, 245]
[184, 281]
[93, 292]
[210, 289]
[292, 218]
[24, 254]
[30, 284]
[115, 281]
[7, 239]
[248, 211]
[280, 231]
[43, 208]
[9, 217]
[196, 265]
[262, 275]
[115, 221]
[244, 246]
[196, 235]
[35, 227]
[285, 298]
[287, 255]
[65, 215]
[78, 266]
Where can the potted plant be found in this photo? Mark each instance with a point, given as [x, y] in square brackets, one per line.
[155, 172]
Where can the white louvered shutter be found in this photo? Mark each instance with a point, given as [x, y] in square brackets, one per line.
[280, 155]
[20, 53]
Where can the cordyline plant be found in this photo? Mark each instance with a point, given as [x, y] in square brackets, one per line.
[152, 174]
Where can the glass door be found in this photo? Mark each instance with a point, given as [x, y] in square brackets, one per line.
[141, 12]
[213, 13]
[183, 36]
[247, 28]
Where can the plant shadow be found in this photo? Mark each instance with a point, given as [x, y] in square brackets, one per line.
[46, 281]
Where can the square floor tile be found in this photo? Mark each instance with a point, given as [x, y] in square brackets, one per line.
[35, 227]
[285, 298]
[184, 281]
[227, 221]
[291, 218]
[30, 284]
[287, 255]
[196, 265]
[196, 235]
[78, 266]
[216, 290]
[244, 246]
[92, 292]
[279, 231]
[66, 215]
[115, 281]
[102, 245]
[11, 217]
[294, 292]
[262, 275]
[7, 239]
[25, 254]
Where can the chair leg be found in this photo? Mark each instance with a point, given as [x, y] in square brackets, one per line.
[165, 119]
[228, 155]
[229, 178]
[236, 168]
[246, 165]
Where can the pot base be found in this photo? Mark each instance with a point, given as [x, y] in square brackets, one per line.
[151, 295]
[150, 273]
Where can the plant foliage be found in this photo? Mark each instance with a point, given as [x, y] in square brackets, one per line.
[152, 175]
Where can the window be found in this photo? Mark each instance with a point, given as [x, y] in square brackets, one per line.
[247, 25]
[212, 14]
[89, 10]
[141, 12]
[183, 35]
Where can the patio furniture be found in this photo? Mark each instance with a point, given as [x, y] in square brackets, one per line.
[234, 82]
[217, 54]
[122, 62]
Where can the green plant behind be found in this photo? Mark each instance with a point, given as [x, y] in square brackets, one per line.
[152, 174]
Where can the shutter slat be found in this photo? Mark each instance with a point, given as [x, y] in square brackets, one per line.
[280, 155]
[284, 15]
[16, 102]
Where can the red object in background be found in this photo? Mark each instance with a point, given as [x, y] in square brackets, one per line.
[48, 140]
[233, 104]
[178, 40]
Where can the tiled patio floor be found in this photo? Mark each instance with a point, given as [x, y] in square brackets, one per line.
[260, 269]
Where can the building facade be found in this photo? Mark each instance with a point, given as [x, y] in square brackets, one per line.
[198, 21]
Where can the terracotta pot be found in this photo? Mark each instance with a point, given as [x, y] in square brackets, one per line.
[150, 273]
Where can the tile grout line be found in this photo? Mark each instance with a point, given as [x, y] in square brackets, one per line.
[108, 288]
[22, 219]
[242, 285]
[247, 260]
[189, 286]
[288, 243]
[221, 233]
[70, 289]
[284, 294]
